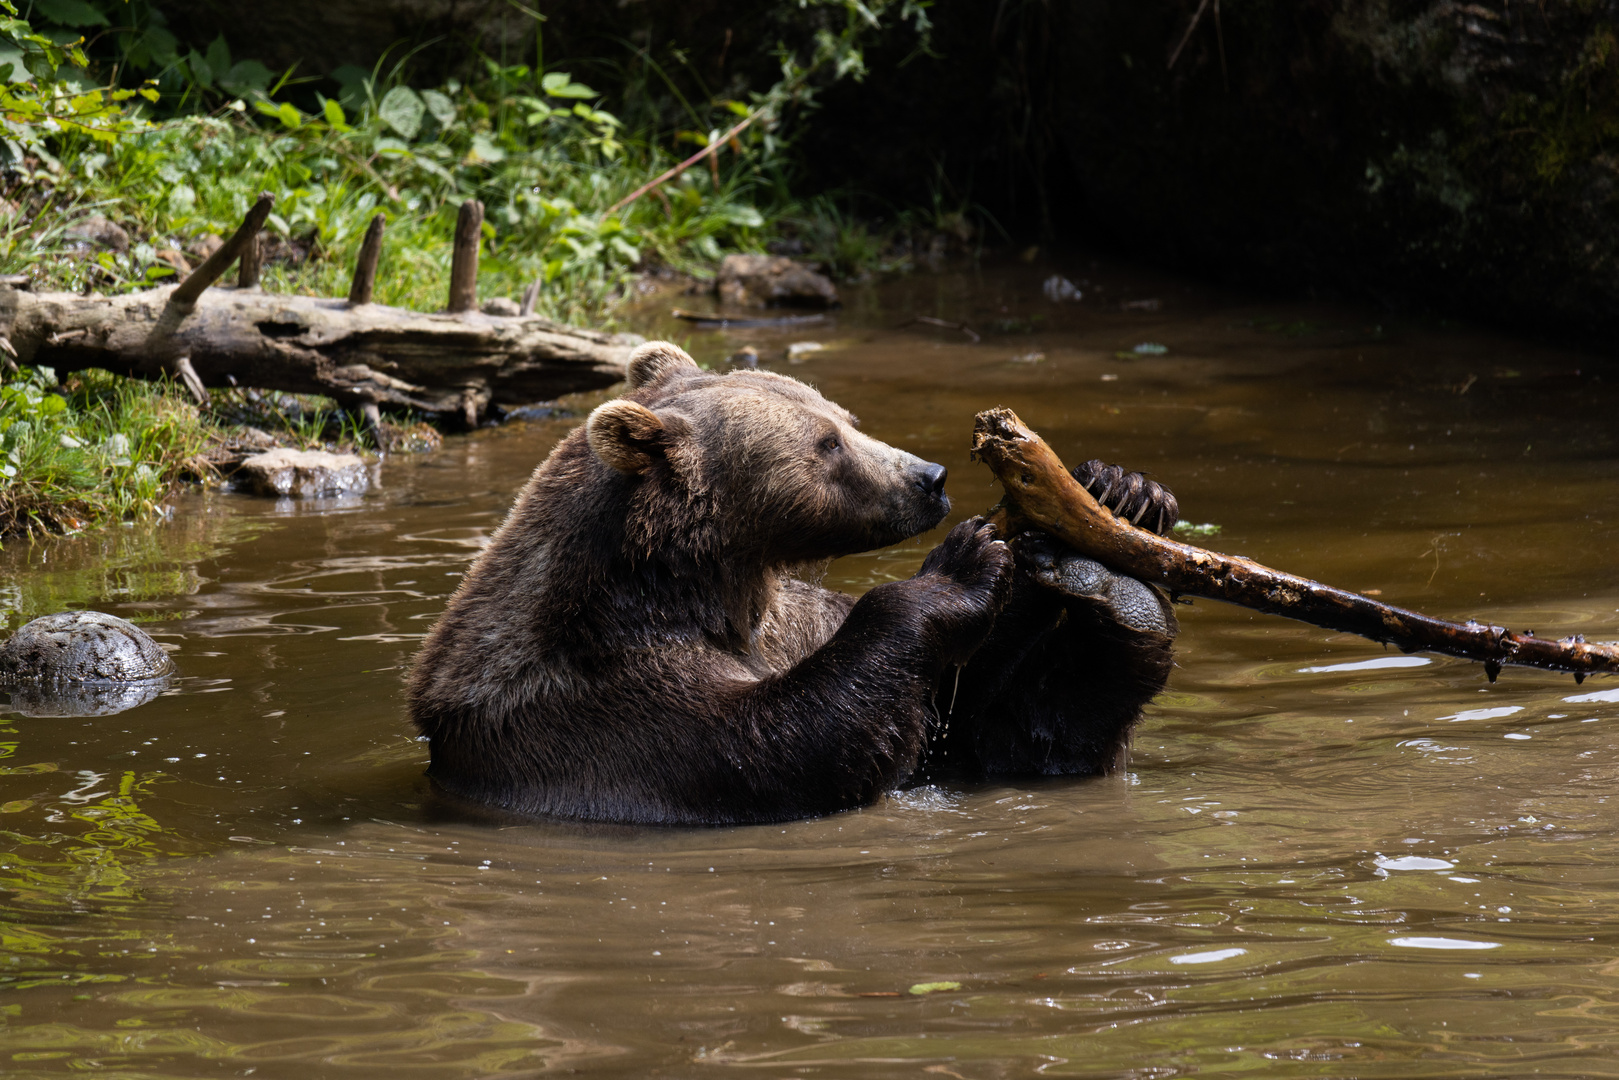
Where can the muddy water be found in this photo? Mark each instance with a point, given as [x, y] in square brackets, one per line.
[1324, 859]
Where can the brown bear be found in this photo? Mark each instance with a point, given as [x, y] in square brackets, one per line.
[640, 643]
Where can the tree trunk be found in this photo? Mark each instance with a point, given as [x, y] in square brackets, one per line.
[364, 354]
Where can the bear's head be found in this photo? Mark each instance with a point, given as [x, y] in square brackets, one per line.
[782, 472]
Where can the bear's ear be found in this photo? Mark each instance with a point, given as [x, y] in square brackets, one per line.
[656, 359]
[625, 435]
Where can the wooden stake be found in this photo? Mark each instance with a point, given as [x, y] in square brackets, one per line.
[193, 382]
[248, 268]
[1041, 494]
[464, 260]
[530, 296]
[186, 293]
[365, 267]
[373, 420]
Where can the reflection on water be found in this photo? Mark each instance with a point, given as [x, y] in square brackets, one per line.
[1324, 860]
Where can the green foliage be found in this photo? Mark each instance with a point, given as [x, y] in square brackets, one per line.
[45, 90]
[100, 448]
[541, 149]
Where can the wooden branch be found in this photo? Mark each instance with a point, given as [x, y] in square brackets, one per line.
[373, 425]
[712, 148]
[1191, 26]
[464, 258]
[1041, 494]
[365, 267]
[251, 263]
[314, 345]
[187, 292]
[193, 382]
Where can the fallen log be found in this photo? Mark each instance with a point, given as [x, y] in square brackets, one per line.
[1041, 494]
[363, 355]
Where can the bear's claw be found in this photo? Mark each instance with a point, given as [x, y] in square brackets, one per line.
[1129, 495]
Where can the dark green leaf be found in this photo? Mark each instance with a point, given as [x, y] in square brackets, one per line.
[68, 13]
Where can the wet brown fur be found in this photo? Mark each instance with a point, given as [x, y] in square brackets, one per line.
[634, 645]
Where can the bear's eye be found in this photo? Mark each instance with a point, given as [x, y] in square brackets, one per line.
[830, 443]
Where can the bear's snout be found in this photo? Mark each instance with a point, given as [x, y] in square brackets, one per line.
[930, 478]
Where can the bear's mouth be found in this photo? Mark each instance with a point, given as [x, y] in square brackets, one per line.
[917, 516]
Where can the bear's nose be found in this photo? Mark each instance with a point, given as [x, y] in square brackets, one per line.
[930, 478]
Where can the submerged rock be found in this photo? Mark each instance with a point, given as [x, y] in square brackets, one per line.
[302, 473]
[81, 663]
[771, 280]
[82, 646]
[78, 699]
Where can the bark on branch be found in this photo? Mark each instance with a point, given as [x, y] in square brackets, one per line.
[387, 356]
[1041, 494]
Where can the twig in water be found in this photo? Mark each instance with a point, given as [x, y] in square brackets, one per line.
[709, 319]
[943, 324]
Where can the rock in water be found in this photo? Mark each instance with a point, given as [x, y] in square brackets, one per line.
[80, 663]
[82, 647]
[78, 699]
[771, 280]
[303, 473]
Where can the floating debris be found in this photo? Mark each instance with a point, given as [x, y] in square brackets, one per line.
[712, 320]
[943, 324]
[1059, 289]
[800, 351]
[1150, 304]
[1110, 378]
[1186, 528]
[1029, 358]
[934, 987]
[1150, 348]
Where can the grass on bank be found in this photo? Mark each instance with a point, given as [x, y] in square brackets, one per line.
[97, 448]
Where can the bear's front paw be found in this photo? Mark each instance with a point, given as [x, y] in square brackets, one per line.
[973, 558]
[1130, 603]
[975, 569]
[1130, 495]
